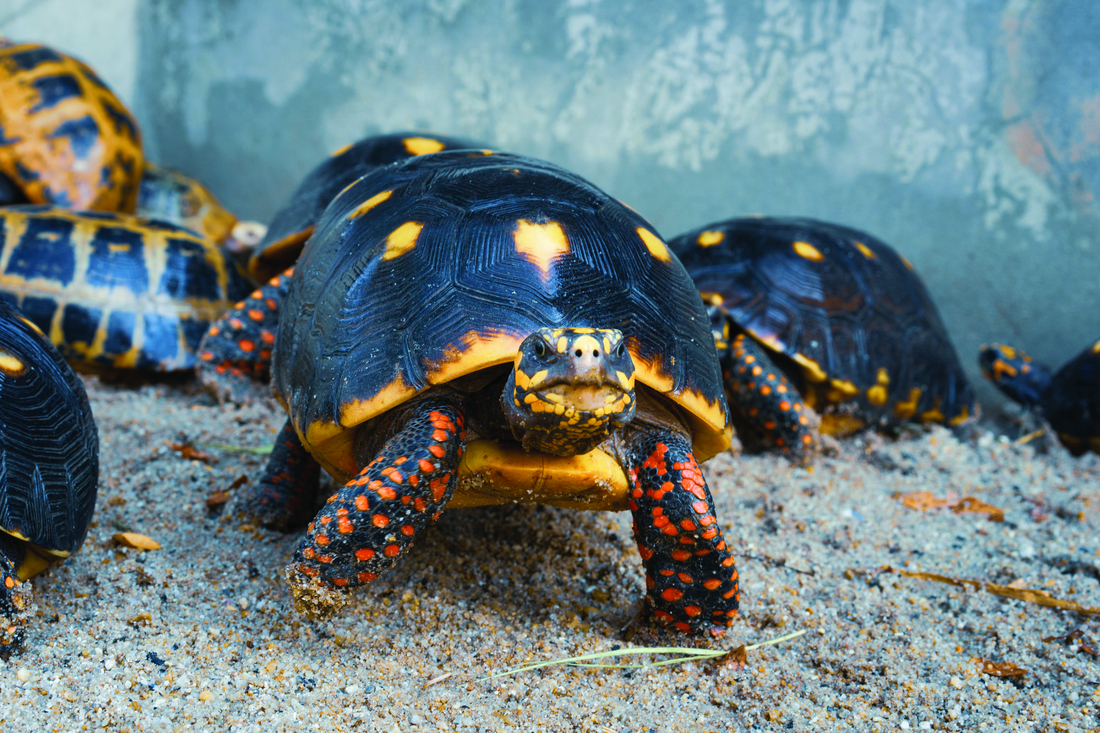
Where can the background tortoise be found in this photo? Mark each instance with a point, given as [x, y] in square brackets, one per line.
[243, 339]
[170, 196]
[49, 463]
[1069, 399]
[112, 290]
[477, 329]
[65, 138]
[844, 316]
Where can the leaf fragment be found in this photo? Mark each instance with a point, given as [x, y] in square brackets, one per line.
[189, 452]
[1000, 669]
[135, 540]
[1030, 595]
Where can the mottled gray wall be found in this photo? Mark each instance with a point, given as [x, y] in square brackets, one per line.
[964, 132]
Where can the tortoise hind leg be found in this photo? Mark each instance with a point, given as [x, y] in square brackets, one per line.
[235, 353]
[691, 581]
[288, 489]
[369, 523]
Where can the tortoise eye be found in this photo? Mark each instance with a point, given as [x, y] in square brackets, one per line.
[540, 349]
[620, 350]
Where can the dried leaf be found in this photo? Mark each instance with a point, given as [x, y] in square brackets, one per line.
[976, 506]
[1001, 669]
[1083, 642]
[238, 482]
[1038, 597]
[218, 498]
[921, 500]
[135, 540]
[142, 619]
[734, 658]
[925, 500]
[190, 452]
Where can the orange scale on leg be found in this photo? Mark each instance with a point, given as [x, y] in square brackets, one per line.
[391, 551]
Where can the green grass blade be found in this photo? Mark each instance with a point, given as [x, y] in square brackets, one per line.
[687, 655]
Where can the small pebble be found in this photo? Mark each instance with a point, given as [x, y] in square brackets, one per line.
[23, 674]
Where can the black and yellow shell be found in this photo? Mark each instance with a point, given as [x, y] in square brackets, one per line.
[112, 290]
[65, 138]
[853, 320]
[438, 267]
[294, 221]
[49, 448]
[170, 196]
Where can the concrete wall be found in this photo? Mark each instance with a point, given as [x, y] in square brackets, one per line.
[964, 132]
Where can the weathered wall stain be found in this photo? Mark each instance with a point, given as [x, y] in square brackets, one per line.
[964, 132]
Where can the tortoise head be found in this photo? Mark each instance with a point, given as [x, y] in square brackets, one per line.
[1014, 373]
[569, 389]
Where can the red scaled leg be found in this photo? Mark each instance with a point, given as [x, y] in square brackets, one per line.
[235, 353]
[691, 581]
[369, 523]
[13, 596]
[767, 409]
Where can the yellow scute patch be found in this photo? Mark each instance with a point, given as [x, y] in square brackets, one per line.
[402, 240]
[653, 243]
[808, 251]
[369, 204]
[709, 239]
[10, 364]
[866, 251]
[422, 145]
[541, 244]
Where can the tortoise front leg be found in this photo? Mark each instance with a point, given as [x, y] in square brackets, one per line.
[370, 522]
[235, 354]
[691, 581]
[13, 596]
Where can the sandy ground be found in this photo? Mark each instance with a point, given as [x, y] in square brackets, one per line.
[201, 634]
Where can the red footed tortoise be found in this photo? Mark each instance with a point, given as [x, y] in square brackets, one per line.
[1068, 399]
[49, 464]
[168, 195]
[834, 310]
[473, 329]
